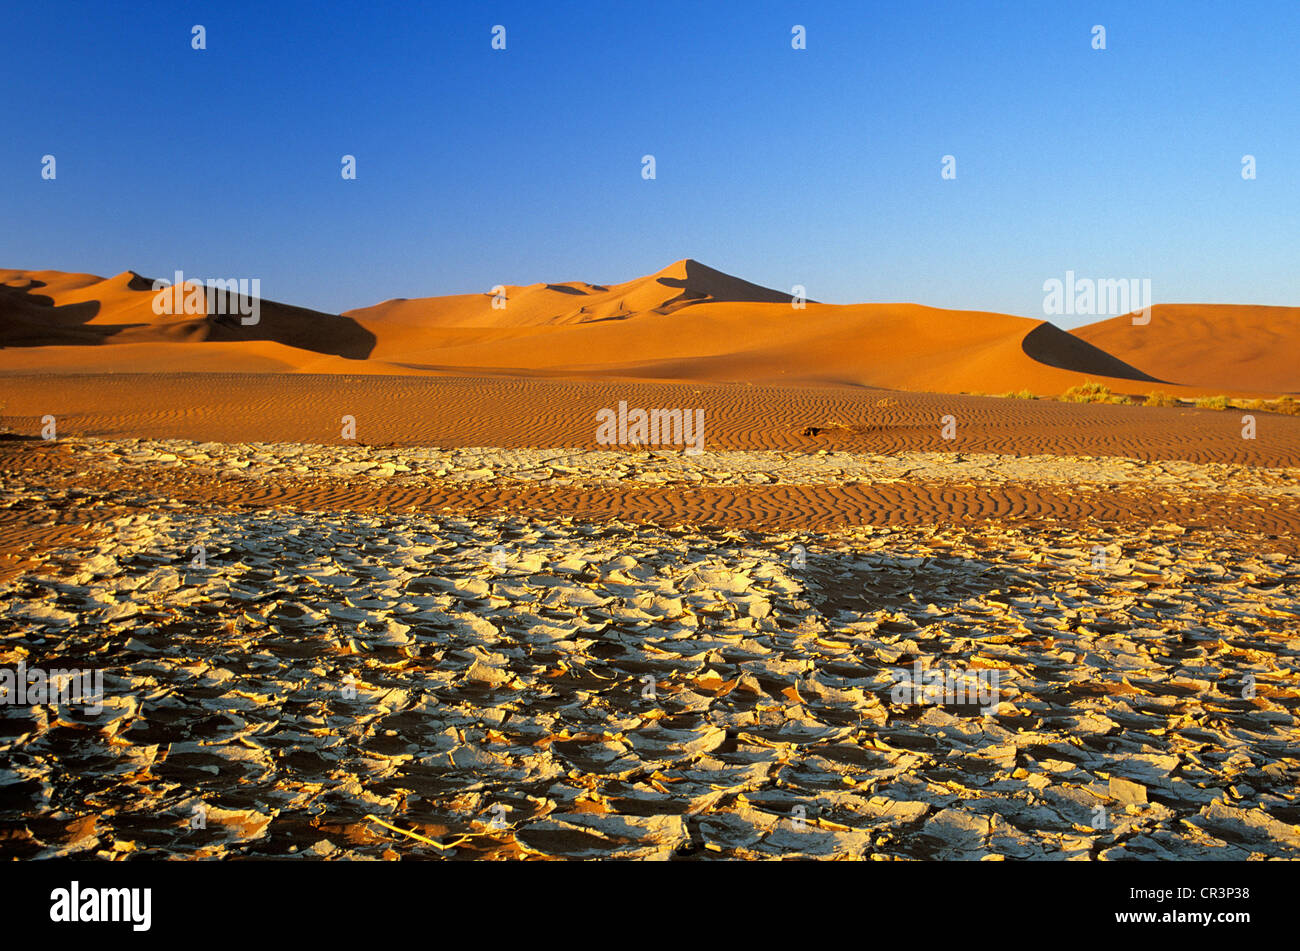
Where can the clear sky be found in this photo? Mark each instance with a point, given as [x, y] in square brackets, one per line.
[818, 167]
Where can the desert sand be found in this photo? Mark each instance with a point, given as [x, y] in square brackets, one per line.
[877, 617]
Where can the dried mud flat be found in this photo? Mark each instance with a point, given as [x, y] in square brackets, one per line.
[465, 653]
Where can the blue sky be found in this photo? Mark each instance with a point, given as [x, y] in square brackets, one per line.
[818, 167]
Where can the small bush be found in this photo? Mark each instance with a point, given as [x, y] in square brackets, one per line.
[1018, 395]
[1089, 393]
[1159, 399]
[1094, 393]
[1212, 402]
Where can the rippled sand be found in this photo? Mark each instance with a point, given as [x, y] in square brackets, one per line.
[521, 413]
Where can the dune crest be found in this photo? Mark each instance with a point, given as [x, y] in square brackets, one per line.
[678, 285]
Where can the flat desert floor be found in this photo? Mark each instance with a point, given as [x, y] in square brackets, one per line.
[1067, 632]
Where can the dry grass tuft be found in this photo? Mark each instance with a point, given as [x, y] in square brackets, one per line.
[1160, 399]
[1091, 392]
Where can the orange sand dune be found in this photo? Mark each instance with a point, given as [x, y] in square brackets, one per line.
[898, 346]
[686, 322]
[51, 309]
[1207, 345]
[690, 322]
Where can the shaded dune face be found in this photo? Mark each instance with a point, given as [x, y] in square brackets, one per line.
[698, 282]
[29, 319]
[47, 309]
[1056, 348]
[298, 327]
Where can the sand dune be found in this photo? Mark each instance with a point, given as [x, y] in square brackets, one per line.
[685, 323]
[691, 322]
[1229, 346]
[51, 309]
[898, 346]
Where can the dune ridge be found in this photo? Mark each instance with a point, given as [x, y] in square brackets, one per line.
[684, 323]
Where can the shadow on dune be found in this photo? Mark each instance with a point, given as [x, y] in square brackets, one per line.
[1051, 345]
[22, 301]
[35, 320]
[704, 282]
[292, 326]
[138, 283]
